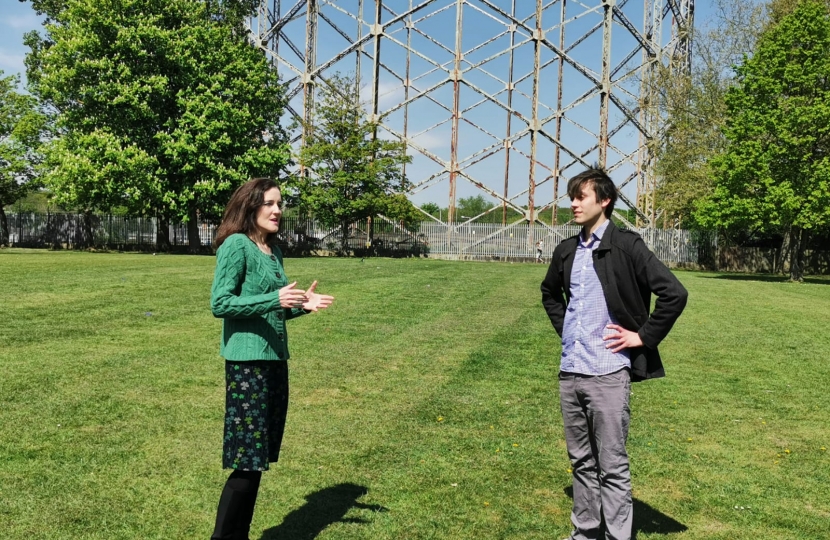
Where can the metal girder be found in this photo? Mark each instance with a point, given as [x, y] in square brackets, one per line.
[620, 16]
[277, 26]
[559, 73]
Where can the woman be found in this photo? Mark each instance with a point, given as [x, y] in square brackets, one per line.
[253, 296]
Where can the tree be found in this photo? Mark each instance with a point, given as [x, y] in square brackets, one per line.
[431, 208]
[400, 208]
[775, 172]
[778, 9]
[351, 174]
[161, 107]
[695, 109]
[21, 125]
[470, 207]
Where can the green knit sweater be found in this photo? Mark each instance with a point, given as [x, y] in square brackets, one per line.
[245, 294]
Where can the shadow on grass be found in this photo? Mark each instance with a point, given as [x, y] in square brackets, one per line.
[768, 278]
[647, 520]
[322, 508]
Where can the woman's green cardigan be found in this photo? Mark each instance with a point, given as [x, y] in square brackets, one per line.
[245, 294]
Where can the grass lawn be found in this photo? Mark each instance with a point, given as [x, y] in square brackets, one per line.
[423, 406]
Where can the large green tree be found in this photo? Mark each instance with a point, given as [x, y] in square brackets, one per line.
[775, 172]
[21, 126]
[162, 106]
[692, 105]
[350, 173]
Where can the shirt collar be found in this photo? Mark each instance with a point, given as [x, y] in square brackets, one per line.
[596, 236]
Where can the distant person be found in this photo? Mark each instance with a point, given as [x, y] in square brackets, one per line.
[597, 293]
[540, 245]
[254, 298]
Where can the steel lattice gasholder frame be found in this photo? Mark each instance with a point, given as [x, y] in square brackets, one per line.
[506, 98]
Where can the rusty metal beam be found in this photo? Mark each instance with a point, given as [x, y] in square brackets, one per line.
[605, 92]
[557, 172]
[456, 86]
[507, 143]
[310, 60]
[538, 36]
[607, 83]
[282, 21]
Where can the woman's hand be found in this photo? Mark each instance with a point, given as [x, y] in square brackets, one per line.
[314, 301]
[291, 297]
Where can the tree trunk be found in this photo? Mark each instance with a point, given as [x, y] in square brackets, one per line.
[86, 230]
[4, 228]
[783, 253]
[162, 234]
[797, 255]
[370, 234]
[193, 240]
[344, 237]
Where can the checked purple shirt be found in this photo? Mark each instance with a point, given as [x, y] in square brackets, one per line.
[583, 350]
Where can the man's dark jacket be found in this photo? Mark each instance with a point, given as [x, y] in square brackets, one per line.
[629, 274]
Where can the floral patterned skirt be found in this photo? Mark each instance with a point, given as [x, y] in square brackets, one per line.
[256, 403]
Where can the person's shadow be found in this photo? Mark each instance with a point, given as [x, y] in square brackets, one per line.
[647, 519]
[322, 508]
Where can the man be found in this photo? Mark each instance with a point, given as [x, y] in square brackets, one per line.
[597, 293]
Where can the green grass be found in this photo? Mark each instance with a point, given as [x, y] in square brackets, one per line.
[423, 406]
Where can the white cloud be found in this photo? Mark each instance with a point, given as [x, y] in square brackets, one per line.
[432, 140]
[11, 62]
[22, 22]
[389, 94]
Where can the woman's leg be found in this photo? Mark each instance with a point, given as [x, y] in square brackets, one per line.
[236, 506]
[256, 405]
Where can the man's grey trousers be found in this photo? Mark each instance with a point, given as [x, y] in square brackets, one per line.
[596, 414]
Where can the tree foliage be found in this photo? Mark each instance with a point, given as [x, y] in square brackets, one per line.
[431, 208]
[470, 207]
[229, 11]
[351, 173]
[695, 109]
[161, 107]
[775, 172]
[778, 9]
[21, 126]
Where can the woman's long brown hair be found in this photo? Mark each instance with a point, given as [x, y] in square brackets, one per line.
[241, 212]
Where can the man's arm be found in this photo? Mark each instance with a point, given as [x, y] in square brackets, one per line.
[671, 295]
[671, 299]
[553, 294]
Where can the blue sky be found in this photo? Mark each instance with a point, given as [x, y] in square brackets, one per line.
[16, 18]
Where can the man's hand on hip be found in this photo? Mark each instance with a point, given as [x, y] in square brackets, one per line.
[623, 339]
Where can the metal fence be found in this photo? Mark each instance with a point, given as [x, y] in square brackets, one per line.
[41, 230]
[470, 241]
[69, 230]
[493, 241]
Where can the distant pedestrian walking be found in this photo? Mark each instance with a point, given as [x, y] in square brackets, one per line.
[540, 246]
[254, 298]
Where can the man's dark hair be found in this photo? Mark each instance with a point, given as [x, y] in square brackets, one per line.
[603, 186]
